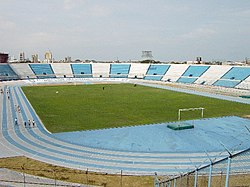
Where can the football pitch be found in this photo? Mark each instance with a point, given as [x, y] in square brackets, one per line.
[96, 106]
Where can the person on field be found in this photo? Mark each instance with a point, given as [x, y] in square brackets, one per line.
[18, 109]
[33, 122]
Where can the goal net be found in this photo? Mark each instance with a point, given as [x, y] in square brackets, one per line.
[190, 109]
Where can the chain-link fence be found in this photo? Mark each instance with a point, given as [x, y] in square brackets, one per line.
[231, 171]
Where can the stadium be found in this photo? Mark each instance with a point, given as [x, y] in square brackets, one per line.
[177, 124]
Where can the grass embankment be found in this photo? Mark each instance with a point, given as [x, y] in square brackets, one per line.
[88, 107]
[33, 167]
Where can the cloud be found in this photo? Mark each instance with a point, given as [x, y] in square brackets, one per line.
[242, 13]
[71, 4]
[199, 33]
[6, 24]
[99, 11]
[44, 38]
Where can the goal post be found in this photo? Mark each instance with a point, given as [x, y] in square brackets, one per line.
[190, 109]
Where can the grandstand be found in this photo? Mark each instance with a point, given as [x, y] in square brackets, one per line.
[7, 73]
[62, 70]
[41, 145]
[192, 74]
[82, 70]
[213, 75]
[156, 72]
[42, 71]
[233, 77]
[119, 70]
[24, 70]
[138, 70]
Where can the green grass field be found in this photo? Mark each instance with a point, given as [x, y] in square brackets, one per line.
[86, 107]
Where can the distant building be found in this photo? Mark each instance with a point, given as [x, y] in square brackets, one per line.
[247, 61]
[22, 57]
[67, 59]
[199, 60]
[48, 57]
[147, 55]
[35, 58]
[4, 57]
[12, 59]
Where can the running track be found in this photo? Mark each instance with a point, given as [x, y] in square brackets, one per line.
[39, 144]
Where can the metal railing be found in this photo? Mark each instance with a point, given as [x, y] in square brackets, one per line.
[233, 170]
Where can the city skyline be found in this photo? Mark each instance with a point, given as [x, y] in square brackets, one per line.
[111, 30]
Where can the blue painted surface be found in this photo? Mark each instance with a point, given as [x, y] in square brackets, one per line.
[156, 72]
[42, 71]
[119, 70]
[6, 73]
[153, 77]
[192, 73]
[195, 71]
[237, 73]
[226, 83]
[158, 138]
[233, 77]
[188, 80]
[157, 69]
[82, 70]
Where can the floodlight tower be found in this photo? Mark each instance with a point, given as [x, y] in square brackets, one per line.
[147, 55]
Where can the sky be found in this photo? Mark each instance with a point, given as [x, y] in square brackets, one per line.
[174, 30]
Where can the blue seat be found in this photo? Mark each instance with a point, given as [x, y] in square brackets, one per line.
[226, 83]
[233, 77]
[119, 70]
[82, 70]
[6, 73]
[188, 80]
[192, 74]
[42, 71]
[195, 71]
[156, 72]
[237, 73]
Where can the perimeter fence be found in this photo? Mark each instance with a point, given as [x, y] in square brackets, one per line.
[231, 171]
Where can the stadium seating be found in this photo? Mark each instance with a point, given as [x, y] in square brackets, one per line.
[214, 73]
[233, 77]
[245, 84]
[119, 70]
[192, 74]
[23, 70]
[156, 72]
[6, 73]
[62, 69]
[174, 73]
[100, 69]
[138, 70]
[42, 71]
[82, 70]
